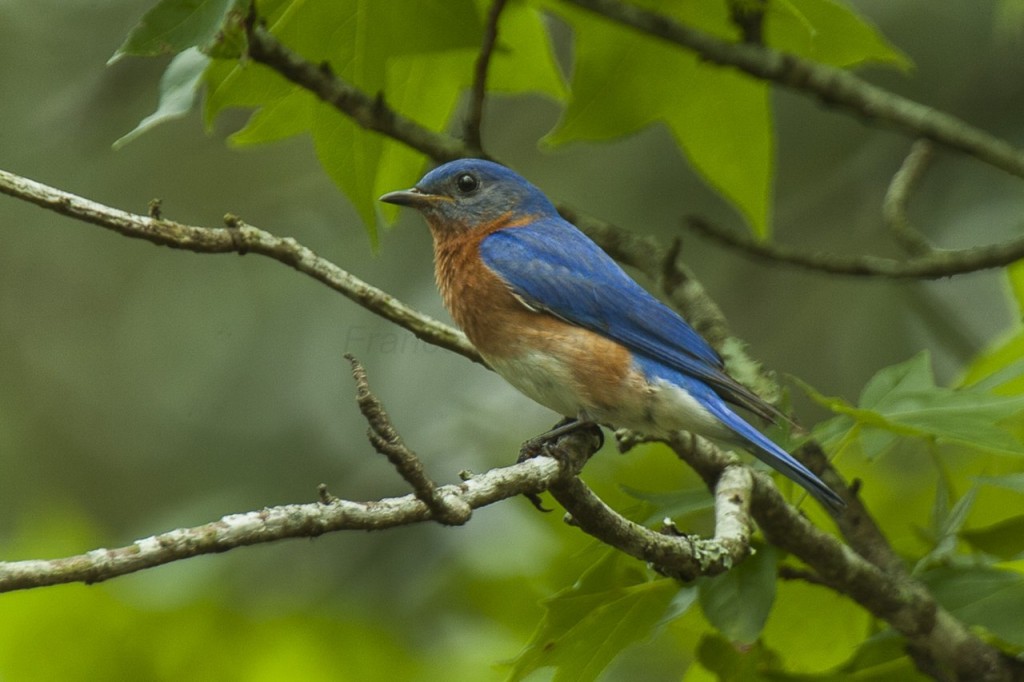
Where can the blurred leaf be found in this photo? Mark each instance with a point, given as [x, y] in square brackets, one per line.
[672, 504]
[358, 39]
[738, 663]
[904, 400]
[623, 81]
[981, 595]
[1008, 24]
[946, 525]
[828, 32]
[104, 634]
[1004, 539]
[421, 54]
[1014, 482]
[177, 92]
[176, 25]
[812, 628]
[1015, 278]
[738, 602]
[882, 658]
[721, 119]
[587, 625]
[1001, 367]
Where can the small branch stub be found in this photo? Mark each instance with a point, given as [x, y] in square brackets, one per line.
[449, 510]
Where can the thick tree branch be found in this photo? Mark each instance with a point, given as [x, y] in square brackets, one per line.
[274, 523]
[240, 238]
[936, 636]
[670, 553]
[831, 85]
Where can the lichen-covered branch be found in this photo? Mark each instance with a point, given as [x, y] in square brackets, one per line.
[271, 524]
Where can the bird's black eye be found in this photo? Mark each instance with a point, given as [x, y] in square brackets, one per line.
[466, 183]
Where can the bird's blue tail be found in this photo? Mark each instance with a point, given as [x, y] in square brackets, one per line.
[771, 454]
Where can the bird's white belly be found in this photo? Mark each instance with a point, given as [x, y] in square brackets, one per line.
[655, 408]
[543, 378]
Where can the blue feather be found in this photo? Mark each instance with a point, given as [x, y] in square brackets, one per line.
[554, 267]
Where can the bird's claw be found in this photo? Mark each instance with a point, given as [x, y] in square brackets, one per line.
[544, 444]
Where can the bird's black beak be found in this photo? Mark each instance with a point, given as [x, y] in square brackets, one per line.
[413, 198]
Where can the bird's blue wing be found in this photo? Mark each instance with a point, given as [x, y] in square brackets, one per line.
[554, 267]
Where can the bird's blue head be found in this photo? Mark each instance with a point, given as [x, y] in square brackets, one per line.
[461, 195]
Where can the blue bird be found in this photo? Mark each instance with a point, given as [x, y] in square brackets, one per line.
[557, 318]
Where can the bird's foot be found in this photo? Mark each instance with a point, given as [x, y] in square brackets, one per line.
[544, 445]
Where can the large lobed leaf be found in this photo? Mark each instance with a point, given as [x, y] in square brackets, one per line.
[587, 625]
[990, 597]
[420, 54]
[903, 400]
[721, 119]
[173, 26]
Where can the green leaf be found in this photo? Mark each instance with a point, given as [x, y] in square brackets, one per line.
[1001, 367]
[814, 629]
[721, 119]
[828, 32]
[946, 525]
[674, 504]
[1014, 482]
[983, 596]
[1015, 279]
[904, 400]
[178, 87]
[523, 59]
[175, 25]
[421, 54]
[374, 46]
[624, 81]
[728, 661]
[587, 625]
[738, 602]
[1004, 539]
[883, 658]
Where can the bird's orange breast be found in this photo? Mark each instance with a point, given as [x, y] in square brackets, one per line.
[504, 328]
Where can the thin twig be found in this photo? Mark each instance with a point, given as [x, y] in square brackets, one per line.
[475, 115]
[240, 238]
[748, 16]
[452, 511]
[935, 264]
[894, 205]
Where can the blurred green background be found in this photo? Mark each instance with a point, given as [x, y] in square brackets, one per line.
[143, 389]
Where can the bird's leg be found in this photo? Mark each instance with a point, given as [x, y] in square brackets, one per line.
[541, 445]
